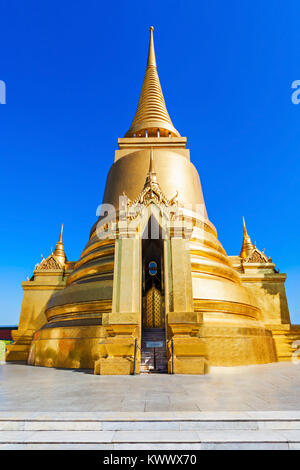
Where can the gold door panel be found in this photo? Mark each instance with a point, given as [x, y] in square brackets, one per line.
[153, 317]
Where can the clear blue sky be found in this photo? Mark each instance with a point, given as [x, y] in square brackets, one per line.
[74, 71]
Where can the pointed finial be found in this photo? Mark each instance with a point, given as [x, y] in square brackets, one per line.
[59, 251]
[151, 160]
[247, 246]
[151, 62]
[151, 176]
[61, 234]
[152, 172]
[151, 113]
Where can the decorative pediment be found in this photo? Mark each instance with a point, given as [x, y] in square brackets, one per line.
[257, 256]
[49, 264]
[151, 194]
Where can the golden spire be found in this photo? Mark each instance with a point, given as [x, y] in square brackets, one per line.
[247, 247]
[151, 118]
[59, 251]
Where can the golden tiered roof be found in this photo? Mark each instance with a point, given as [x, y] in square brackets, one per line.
[151, 117]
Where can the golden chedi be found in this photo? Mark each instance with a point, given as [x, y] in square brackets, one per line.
[154, 290]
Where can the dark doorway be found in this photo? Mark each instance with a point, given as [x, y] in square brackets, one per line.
[153, 312]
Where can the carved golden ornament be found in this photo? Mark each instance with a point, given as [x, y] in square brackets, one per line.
[49, 264]
[257, 256]
[151, 194]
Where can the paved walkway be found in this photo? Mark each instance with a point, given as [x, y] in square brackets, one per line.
[270, 387]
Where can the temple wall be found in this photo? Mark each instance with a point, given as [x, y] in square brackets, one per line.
[37, 293]
[271, 298]
[233, 327]
[269, 290]
[68, 346]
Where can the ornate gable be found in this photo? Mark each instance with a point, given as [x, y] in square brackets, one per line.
[257, 256]
[151, 194]
[49, 264]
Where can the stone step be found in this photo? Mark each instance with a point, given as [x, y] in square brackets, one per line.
[144, 421]
[262, 439]
[65, 425]
[178, 430]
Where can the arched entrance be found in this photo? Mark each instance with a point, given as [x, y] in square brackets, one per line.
[153, 357]
[153, 312]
